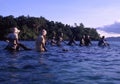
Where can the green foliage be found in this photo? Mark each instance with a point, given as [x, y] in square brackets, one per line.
[30, 28]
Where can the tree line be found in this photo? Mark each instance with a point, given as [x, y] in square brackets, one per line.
[31, 26]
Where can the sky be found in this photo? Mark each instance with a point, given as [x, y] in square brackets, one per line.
[92, 13]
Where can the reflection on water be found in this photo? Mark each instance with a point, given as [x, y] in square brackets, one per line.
[77, 65]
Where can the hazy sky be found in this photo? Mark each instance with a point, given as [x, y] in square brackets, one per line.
[92, 13]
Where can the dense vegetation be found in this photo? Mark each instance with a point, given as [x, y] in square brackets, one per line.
[30, 27]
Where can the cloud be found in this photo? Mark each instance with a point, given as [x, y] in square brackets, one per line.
[114, 28]
[107, 34]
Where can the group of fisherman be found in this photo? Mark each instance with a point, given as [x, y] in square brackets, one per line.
[84, 41]
[40, 43]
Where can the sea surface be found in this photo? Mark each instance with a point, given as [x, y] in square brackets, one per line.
[75, 65]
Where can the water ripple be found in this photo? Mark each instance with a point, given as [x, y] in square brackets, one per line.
[76, 65]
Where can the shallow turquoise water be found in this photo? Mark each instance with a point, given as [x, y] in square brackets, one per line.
[78, 65]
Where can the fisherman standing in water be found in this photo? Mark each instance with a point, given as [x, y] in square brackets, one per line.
[59, 38]
[103, 42]
[13, 42]
[53, 39]
[82, 41]
[41, 42]
[72, 41]
[87, 40]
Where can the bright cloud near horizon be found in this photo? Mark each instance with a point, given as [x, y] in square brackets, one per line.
[108, 34]
[92, 13]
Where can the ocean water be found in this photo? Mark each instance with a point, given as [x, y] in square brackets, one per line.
[77, 65]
